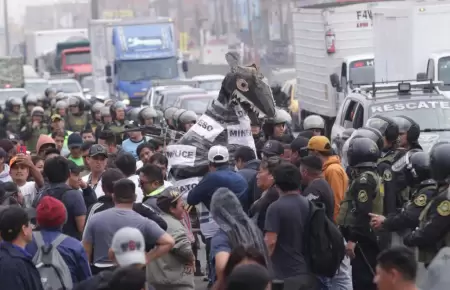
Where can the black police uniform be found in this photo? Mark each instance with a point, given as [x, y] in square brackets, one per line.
[362, 197]
[434, 221]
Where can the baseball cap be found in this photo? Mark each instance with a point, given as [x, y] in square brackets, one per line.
[56, 117]
[74, 140]
[169, 195]
[218, 154]
[319, 143]
[272, 148]
[128, 246]
[97, 149]
[12, 161]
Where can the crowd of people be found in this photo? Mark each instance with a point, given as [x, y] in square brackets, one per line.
[95, 208]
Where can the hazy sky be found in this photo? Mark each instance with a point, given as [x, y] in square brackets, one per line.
[16, 8]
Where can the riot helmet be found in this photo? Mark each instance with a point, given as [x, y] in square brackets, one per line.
[31, 100]
[416, 165]
[187, 120]
[105, 115]
[176, 116]
[314, 123]
[168, 115]
[281, 117]
[372, 134]
[408, 127]
[37, 111]
[61, 105]
[363, 152]
[60, 96]
[96, 111]
[386, 125]
[118, 110]
[340, 140]
[147, 116]
[50, 93]
[440, 162]
[133, 115]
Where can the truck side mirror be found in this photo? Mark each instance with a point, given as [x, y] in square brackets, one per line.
[184, 66]
[108, 80]
[421, 77]
[108, 70]
[335, 83]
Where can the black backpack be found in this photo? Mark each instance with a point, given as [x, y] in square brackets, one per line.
[324, 243]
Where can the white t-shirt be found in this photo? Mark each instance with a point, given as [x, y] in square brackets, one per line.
[139, 194]
[139, 164]
[98, 189]
[29, 192]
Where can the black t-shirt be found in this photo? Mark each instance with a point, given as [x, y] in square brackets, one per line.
[320, 191]
[287, 217]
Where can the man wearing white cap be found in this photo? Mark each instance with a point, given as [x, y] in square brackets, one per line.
[127, 249]
[220, 175]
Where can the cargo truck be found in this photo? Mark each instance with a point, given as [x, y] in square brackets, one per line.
[128, 54]
[404, 48]
[333, 54]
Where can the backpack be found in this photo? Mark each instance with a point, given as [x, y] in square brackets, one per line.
[54, 272]
[324, 245]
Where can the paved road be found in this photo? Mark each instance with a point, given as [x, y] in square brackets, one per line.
[199, 283]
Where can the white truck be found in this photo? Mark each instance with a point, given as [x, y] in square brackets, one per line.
[39, 43]
[333, 54]
[407, 45]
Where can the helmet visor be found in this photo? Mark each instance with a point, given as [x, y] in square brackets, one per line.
[403, 124]
[377, 123]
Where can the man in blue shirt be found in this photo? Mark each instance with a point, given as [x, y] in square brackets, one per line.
[135, 139]
[220, 175]
[51, 216]
[17, 270]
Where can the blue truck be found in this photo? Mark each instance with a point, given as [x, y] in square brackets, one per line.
[143, 50]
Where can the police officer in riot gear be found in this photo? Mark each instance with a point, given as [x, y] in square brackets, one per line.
[77, 118]
[36, 127]
[106, 119]
[10, 121]
[409, 132]
[61, 108]
[187, 119]
[147, 116]
[118, 124]
[390, 153]
[278, 126]
[416, 165]
[362, 198]
[96, 116]
[29, 103]
[434, 221]
[367, 132]
[176, 119]
[168, 115]
[314, 123]
[340, 140]
[132, 115]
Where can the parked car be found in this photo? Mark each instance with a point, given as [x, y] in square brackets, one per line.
[194, 102]
[168, 98]
[209, 82]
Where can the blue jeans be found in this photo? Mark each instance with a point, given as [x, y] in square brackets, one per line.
[343, 278]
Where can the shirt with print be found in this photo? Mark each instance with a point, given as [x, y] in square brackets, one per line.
[29, 192]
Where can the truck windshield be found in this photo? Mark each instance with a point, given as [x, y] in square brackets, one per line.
[78, 58]
[210, 85]
[198, 105]
[147, 69]
[437, 112]
[444, 72]
[362, 72]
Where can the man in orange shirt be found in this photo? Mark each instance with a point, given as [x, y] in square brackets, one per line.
[332, 169]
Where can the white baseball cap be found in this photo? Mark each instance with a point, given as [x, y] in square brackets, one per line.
[218, 154]
[128, 246]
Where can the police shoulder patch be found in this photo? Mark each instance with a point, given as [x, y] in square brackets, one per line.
[362, 196]
[363, 179]
[420, 200]
[387, 175]
[443, 208]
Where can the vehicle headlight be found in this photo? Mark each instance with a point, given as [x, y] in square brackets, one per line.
[123, 95]
[126, 102]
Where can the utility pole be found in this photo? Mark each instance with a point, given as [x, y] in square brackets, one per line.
[250, 30]
[6, 24]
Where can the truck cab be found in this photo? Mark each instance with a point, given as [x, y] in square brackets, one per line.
[143, 52]
[76, 60]
[438, 69]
